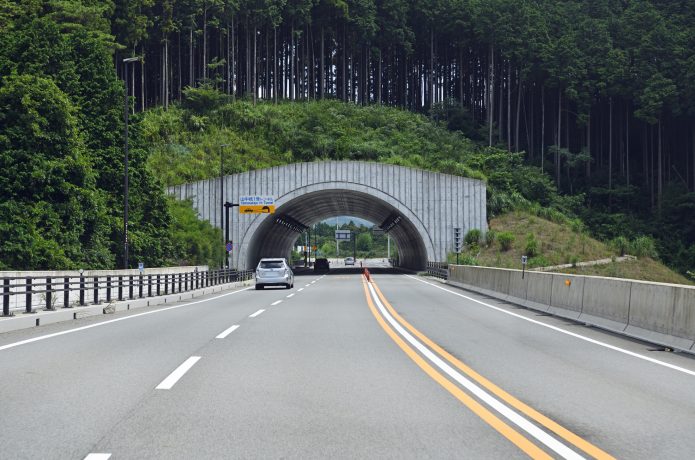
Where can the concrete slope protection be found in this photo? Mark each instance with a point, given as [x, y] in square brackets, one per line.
[418, 208]
[315, 375]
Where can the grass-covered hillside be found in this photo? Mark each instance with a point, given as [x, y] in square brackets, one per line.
[184, 143]
[549, 243]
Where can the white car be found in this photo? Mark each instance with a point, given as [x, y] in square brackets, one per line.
[274, 272]
[349, 261]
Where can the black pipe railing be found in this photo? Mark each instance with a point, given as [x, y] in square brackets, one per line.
[438, 270]
[49, 288]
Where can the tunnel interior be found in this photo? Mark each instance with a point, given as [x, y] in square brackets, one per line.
[277, 233]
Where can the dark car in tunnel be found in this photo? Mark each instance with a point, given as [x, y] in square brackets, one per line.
[321, 265]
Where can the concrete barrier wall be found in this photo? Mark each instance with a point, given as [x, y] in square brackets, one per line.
[656, 312]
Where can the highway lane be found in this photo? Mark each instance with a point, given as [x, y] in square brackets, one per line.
[312, 373]
[312, 377]
[629, 407]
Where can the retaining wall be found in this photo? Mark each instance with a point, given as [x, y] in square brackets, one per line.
[655, 312]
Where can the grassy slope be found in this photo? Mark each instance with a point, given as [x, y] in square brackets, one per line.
[558, 244]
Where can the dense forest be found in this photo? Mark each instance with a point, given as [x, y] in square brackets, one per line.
[600, 94]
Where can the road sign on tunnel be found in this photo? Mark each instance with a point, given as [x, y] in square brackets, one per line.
[256, 204]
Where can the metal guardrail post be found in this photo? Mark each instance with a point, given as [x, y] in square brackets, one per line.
[96, 290]
[149, 285]
[186, 276]
[157, 284]
[130, 287]
[49, 294]
[166, 284]
[108, 289]
[140, 286]
[81, 290]
[66, 292]
[180, 283]
[27, 305]
[6, 297]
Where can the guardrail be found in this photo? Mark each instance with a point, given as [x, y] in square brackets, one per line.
[656, 312]
[68, 291]
[438, 269]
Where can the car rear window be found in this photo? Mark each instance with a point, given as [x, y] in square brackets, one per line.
[271, 264]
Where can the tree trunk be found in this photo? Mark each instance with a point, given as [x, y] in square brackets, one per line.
[660, 184]
[253, 79]
[542, 127]
[190, 57]
[205, 41]
[509, 108]
[588, 144]
[378, 78]
[232, 76]
[322, 85]
[559, 137]
[519, 89]
[610, 143]
[491, 93]
[178, 68]
[275, 65]
[292, 62]
[627, 143]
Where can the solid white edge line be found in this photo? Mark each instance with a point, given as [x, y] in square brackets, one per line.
[564, 331]
[179, 372]
[290, 296]
[481, 394]
[69, 331]
[97, 456]
[275, 303]
[228, 331]
[257, 313]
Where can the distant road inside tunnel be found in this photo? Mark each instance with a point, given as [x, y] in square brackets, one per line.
[339, 367]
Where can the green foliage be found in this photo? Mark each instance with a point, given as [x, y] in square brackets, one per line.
[194, 242]
[643, 246]
[621, 245]
[538, 261]
[531, 248]
[506, 240]
[472, 237]
[364, 242]
[490, 237]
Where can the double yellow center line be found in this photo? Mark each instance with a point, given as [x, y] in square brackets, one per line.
[373, 293]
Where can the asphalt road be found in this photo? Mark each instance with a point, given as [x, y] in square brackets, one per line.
[403, 368]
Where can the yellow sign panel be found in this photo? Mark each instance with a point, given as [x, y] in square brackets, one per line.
[258, 209]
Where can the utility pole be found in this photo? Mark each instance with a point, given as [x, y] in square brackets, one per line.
[126, 61]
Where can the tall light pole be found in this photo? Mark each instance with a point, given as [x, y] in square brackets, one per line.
[126, 61]
[225, 236]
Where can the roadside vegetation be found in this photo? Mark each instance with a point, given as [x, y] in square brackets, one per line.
[549, 243]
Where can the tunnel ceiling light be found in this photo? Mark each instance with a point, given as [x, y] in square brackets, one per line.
[390, 222]
[292, 224]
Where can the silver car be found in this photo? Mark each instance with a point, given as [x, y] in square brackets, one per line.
[274, 272]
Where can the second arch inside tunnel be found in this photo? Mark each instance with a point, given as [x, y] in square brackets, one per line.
[277, 233]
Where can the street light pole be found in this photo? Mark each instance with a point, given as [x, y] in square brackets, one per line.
[225, 236]
[125, 162]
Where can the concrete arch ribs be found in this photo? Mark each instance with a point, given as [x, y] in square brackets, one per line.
[426, 205]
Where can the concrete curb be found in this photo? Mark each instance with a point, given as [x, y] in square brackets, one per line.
[42, 317]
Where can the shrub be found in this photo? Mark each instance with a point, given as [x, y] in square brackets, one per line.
[577, 225]
[490, 237]
[574, 260]
[506, 240]
[472, 237]
[531, 245]
[538, 261]
[468, 260]
[643, 246]
[620, 245]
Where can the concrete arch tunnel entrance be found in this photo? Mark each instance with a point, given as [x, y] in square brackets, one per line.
[275, 236]
[419, 209]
